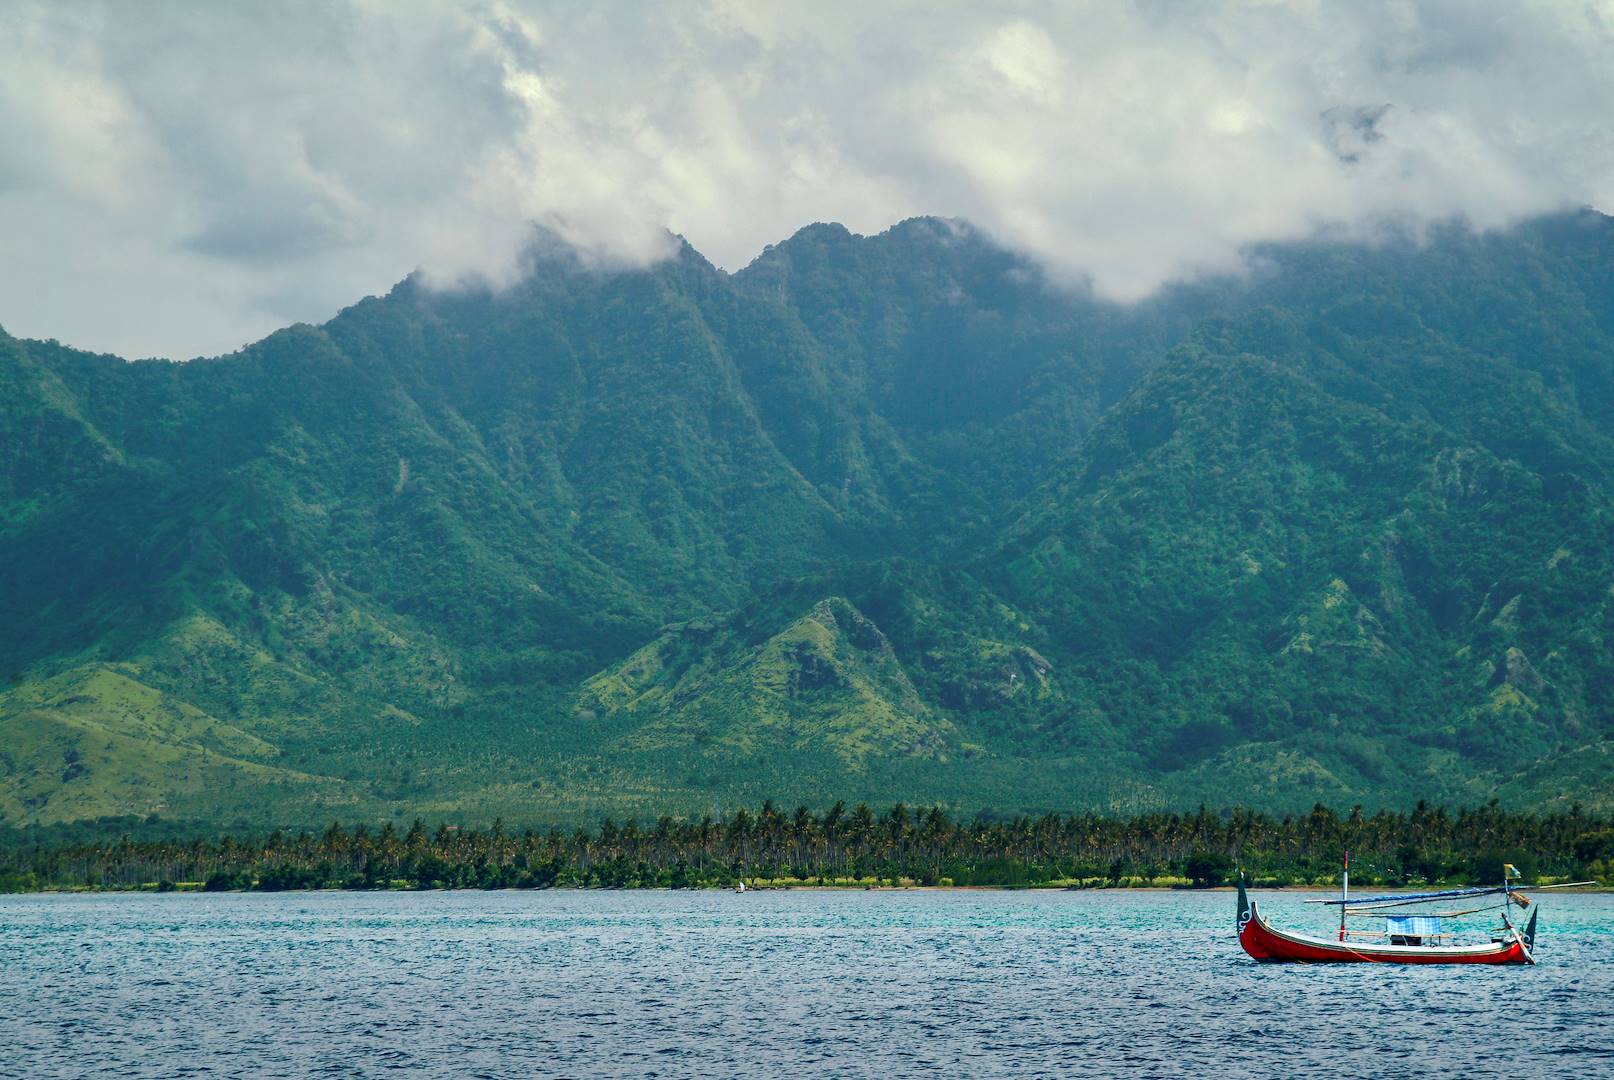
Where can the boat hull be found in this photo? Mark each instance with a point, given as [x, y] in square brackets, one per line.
[1270, 945]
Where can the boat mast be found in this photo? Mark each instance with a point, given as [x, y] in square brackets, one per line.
[1344, 892]
[1508, 901]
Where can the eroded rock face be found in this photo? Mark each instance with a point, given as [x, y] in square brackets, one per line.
[1520, 672]
[810, 670]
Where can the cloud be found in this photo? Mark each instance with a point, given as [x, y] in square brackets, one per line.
[180, 180]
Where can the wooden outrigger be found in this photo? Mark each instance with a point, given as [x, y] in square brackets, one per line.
[1416, 939]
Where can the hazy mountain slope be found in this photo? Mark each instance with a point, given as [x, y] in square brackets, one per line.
[1389, 557]
[1339, 528]
[946, 374]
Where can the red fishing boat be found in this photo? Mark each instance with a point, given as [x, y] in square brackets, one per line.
[1404, 938]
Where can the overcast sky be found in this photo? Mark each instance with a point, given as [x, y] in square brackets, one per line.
[179, 179]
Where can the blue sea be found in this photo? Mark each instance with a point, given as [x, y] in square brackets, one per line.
[566, 983]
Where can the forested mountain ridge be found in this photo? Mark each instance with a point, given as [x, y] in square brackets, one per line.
[876, 517]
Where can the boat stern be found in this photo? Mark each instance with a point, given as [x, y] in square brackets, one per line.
[1528, 938]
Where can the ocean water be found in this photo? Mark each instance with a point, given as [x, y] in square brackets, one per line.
[512, 984]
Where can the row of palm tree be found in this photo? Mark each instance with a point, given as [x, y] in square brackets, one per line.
[840, 844]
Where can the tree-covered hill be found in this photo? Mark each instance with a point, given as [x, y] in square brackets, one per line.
[875, 518]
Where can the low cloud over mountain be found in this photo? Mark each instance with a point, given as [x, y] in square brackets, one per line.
[181, 180]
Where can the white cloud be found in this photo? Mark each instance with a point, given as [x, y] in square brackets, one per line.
[181, 180]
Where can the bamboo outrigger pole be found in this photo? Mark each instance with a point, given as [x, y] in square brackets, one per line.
[1410, 898]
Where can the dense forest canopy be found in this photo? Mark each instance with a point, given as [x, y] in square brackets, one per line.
[875, 518]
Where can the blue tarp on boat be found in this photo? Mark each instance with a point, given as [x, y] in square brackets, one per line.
[1412, 925]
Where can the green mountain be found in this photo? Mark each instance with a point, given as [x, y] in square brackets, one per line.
[828, 686]
[879, 517]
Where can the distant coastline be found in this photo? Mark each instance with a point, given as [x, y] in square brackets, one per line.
[192, 887]
[751, 886]
[841, 848]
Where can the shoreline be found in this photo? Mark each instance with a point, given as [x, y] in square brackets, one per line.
[197, 888]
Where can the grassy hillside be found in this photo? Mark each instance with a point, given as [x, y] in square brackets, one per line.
[94, 741]
[878, 517]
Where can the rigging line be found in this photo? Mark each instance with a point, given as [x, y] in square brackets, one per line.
[1399, 899]
[1379, 912]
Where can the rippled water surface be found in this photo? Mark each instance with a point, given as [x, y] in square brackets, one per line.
[717, 984]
